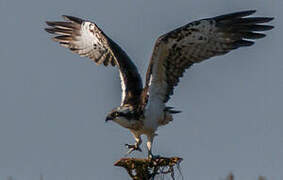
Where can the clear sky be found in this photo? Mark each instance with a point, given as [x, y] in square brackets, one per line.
[53, 103]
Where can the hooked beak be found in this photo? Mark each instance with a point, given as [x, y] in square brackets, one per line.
[108, 119]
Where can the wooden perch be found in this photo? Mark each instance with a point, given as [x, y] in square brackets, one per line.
[146, 169]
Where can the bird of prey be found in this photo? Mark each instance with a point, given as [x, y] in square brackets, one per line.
[143, 108]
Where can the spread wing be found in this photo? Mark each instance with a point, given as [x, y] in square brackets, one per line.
[86, 39]
[195, 42]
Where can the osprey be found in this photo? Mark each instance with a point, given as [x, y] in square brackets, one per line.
[143, 109]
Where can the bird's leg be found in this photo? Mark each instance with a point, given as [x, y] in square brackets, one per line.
[149, 147]
[134, 147]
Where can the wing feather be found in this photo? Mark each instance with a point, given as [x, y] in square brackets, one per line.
[86, 39]
[195, 42]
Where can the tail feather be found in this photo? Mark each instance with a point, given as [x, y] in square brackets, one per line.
[171, 110]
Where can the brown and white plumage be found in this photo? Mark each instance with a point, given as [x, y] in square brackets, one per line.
[143, 110]
[86, 39]
[195, 42]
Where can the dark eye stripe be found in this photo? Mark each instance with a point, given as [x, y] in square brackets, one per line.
[128, 115]
[122, 114]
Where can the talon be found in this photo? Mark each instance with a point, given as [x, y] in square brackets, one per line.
[138, 149]
[133, 147]
[153, 157]
[130, 151]
[128, 146]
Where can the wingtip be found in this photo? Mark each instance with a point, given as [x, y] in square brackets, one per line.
[235, 15]
[249, 12]
[269, 27]
[65, 17]
[244, 13]
[269, 19]
[72, 18]
[54, 39]
[252, 11]
[241, 43]
[49, 30]
[49, 23]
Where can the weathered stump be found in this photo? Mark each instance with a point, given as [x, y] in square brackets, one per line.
[146, 169]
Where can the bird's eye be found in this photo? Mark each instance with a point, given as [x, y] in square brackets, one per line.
[116, 114]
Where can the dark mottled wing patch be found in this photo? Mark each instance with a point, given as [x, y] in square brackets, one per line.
[86, 39]
[179, 49]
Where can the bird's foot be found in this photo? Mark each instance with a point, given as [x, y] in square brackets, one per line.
[153, 157]
[132, 147]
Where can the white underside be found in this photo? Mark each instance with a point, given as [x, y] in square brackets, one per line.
[153, 113]
[146, 126]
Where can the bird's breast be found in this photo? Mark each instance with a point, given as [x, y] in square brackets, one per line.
[152, 119]
[129, 124]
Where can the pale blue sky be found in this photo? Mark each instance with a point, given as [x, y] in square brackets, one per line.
[53, 103]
